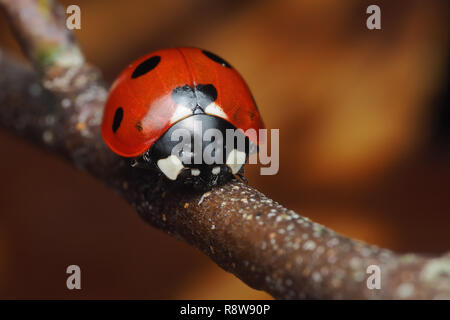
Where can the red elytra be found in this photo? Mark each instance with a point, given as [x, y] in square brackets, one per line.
[144, 92]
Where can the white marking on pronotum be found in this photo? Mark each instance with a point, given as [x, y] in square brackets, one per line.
[195, 172]
[170, 166]
[235, 160]
[180, 113]
[215, 170]
[214, 109]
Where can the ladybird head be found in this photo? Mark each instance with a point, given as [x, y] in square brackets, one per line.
[200, 149]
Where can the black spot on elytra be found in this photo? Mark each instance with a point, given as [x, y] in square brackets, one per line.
[185, 96]
[118, 116]
[146, 66]
[206, 93]
[200, 96]
[216, 58]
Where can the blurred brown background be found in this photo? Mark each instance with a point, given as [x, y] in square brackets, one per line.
[364, 130]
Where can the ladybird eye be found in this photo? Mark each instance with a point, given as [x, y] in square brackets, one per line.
[118, 116]
[216, 58]
[146, 66]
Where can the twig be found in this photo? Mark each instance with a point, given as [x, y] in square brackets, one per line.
[267, 246]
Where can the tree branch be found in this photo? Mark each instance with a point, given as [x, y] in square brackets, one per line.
[267, 246]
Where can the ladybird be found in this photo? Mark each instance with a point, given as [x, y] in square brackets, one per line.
[168, 108]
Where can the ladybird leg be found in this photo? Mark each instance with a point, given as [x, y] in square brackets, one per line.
[134, 163]
[240, 174]
[138, 163]
[142, 161]
[146, 156]
[214, 181]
